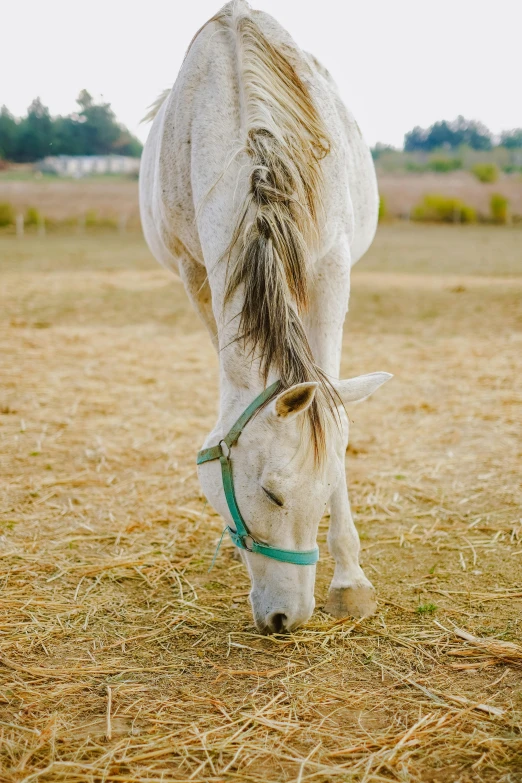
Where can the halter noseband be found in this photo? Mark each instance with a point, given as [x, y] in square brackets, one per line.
[241, 536]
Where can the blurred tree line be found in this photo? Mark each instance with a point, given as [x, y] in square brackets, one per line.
[459, 133]
[92, 130]
[450, 146]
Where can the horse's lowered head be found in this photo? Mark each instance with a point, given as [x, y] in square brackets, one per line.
[280, 490]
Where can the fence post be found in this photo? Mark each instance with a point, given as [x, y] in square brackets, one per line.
[19, 225]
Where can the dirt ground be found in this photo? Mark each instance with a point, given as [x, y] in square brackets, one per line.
[123, 659]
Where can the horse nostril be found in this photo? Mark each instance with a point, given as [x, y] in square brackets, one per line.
[278, 622]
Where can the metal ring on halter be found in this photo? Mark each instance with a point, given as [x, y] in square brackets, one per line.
[225, 448]
[248, 542]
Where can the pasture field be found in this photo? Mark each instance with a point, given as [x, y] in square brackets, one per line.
[123, 659]
[113, 196]
[59, 199]
[403, 191]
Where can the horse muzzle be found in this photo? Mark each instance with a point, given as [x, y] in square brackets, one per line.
[281, 616]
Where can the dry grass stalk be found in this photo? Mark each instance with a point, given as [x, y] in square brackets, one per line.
[508, 652]
[108, 733]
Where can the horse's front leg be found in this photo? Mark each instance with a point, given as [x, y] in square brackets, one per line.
[351, 592]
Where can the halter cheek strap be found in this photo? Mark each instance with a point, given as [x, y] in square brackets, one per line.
[241, 536]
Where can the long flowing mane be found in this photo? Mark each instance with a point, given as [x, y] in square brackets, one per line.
[269, 253]
[285, 139]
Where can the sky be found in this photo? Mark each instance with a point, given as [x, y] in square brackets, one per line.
[398, 63]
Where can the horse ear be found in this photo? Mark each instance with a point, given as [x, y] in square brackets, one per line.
[357, 389]
[293, 401]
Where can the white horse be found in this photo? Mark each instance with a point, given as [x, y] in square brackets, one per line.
[257, 188]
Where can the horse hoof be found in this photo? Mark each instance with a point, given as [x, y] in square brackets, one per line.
[351, 601]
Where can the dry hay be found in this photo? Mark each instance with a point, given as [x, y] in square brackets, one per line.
[122, 659]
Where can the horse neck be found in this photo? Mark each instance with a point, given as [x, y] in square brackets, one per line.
[240, 376]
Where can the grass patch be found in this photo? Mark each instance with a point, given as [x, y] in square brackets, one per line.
[426, 609]
[435, 208]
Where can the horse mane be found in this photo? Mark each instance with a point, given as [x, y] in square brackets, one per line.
[285, 140]
[269, 254]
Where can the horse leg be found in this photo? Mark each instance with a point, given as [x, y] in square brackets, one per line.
[177, 259]
[351, 593]
[195, 280]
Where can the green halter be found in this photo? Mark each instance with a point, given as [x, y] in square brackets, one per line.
[241, 536]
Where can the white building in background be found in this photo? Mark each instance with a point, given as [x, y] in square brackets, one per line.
[83, 165]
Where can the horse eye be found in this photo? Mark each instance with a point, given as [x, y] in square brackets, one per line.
[272, 497]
